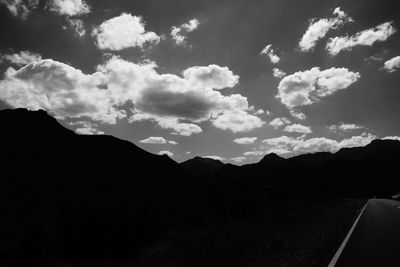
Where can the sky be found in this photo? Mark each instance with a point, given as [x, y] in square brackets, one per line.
[230, 80]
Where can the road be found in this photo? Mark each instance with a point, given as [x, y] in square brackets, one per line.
[375, 240]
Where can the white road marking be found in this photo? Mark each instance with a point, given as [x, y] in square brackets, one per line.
[341, 248]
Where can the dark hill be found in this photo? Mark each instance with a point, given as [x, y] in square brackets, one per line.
[202, 166]
[95, 195]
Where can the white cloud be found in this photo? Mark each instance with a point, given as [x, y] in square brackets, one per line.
[277, 73]
[166, 152]
[238, 159]
[254, 153]
[278, 122]
[297, 114]
[297, 128]
[171, 101]
[301, 145]
[78, 27]
[122, 32]
[397, 138]
[307, 87]
[345, 127]
[392, 64]
[154, 140]
[184, 129]
[237, 121]
[261, 112]
[178, 34]
[60, 89]
[157, 140]
[271, 54]
[69, 7]
[21, 59]
[214, 158]
[319, 28]
[365, 38]
[211, 76]
[245, 140]
[20, 8]
[86, 128]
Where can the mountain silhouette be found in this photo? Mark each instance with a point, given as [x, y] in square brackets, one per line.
[202, 166]
[73, 197]
[76, 186]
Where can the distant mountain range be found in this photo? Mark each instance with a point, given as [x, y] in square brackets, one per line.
[37, 150]
[59, 191]
[351, 172]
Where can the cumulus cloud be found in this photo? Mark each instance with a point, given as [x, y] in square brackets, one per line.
[122, 32]
[20, 8]
[21, 59]
[278, 122]
[319, 28]
[271, 54]
[345, 127]
[154, 140]
[302, 145]
[392, 64]
[245, 140]
[78, 27]
[166, 152]
[69, 7]
[157, 140]
[277, 73]
[365, 38]
[184, 129]
[211, 76]
[307, 87]
[237, 121]
[86, 128]
[297, 128]
[60, 89]
[179, 34]
[173, 102]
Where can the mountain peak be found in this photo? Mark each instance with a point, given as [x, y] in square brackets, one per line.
[20, 121]
[271, 158]
[202, 165]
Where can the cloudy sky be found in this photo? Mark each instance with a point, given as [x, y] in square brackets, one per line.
[232, 80]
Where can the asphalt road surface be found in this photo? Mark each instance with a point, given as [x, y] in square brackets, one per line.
[375, 240]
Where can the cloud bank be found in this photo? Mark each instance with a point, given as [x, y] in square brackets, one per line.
[173, 102]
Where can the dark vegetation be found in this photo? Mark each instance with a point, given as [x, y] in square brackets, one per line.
[68, 198]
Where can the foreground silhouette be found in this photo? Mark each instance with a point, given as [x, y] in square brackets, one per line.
[68, 197]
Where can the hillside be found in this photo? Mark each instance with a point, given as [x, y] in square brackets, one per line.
[70, 197]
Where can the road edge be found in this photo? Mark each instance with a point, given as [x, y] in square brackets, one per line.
[343, 245]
